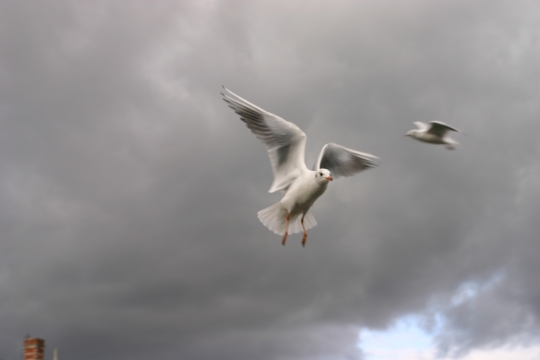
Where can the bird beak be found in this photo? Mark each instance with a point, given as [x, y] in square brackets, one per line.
[329, 178]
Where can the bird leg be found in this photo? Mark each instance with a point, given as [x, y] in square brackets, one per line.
[286, 230]
[305, 232]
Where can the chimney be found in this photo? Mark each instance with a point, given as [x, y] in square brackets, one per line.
[33, 349]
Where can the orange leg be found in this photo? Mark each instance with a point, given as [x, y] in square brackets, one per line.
[286, 230]
[305, 232]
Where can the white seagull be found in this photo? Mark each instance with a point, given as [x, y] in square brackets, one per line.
[434, 133]
[286, 143]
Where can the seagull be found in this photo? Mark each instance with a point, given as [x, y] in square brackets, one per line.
[286, 144]
[434, 133]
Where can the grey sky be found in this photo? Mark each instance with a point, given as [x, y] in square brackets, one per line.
[129, 190]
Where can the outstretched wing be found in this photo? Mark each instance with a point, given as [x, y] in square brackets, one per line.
[421, 125]
[284, 140]
[439, 128]
[342, 161]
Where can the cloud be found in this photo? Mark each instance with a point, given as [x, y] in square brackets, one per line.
[129, 190]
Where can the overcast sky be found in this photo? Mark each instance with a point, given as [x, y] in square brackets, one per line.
[129, 190]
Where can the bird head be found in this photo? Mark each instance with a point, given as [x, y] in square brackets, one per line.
[323, 175]
[411, 133]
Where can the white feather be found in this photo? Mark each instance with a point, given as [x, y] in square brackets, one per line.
[434, 133]
[285, 143]
[273, 217]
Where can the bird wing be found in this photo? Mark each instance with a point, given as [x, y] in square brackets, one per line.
[342, 161]
[439, 128]
[421, 125]
[284, 141]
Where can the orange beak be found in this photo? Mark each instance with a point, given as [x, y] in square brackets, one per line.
[329, 178]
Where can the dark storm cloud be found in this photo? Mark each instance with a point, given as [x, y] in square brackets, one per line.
[130, 191]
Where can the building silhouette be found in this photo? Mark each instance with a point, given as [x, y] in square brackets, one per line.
[33, 349]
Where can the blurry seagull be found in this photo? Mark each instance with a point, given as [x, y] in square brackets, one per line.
[286, 143]
[434, 133]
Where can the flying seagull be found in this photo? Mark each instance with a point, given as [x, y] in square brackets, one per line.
[286, 144]
[434, 133]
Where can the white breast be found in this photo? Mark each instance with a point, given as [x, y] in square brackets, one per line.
[302, 194]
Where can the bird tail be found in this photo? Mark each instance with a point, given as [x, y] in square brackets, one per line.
[451, 144]
[273, 217]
